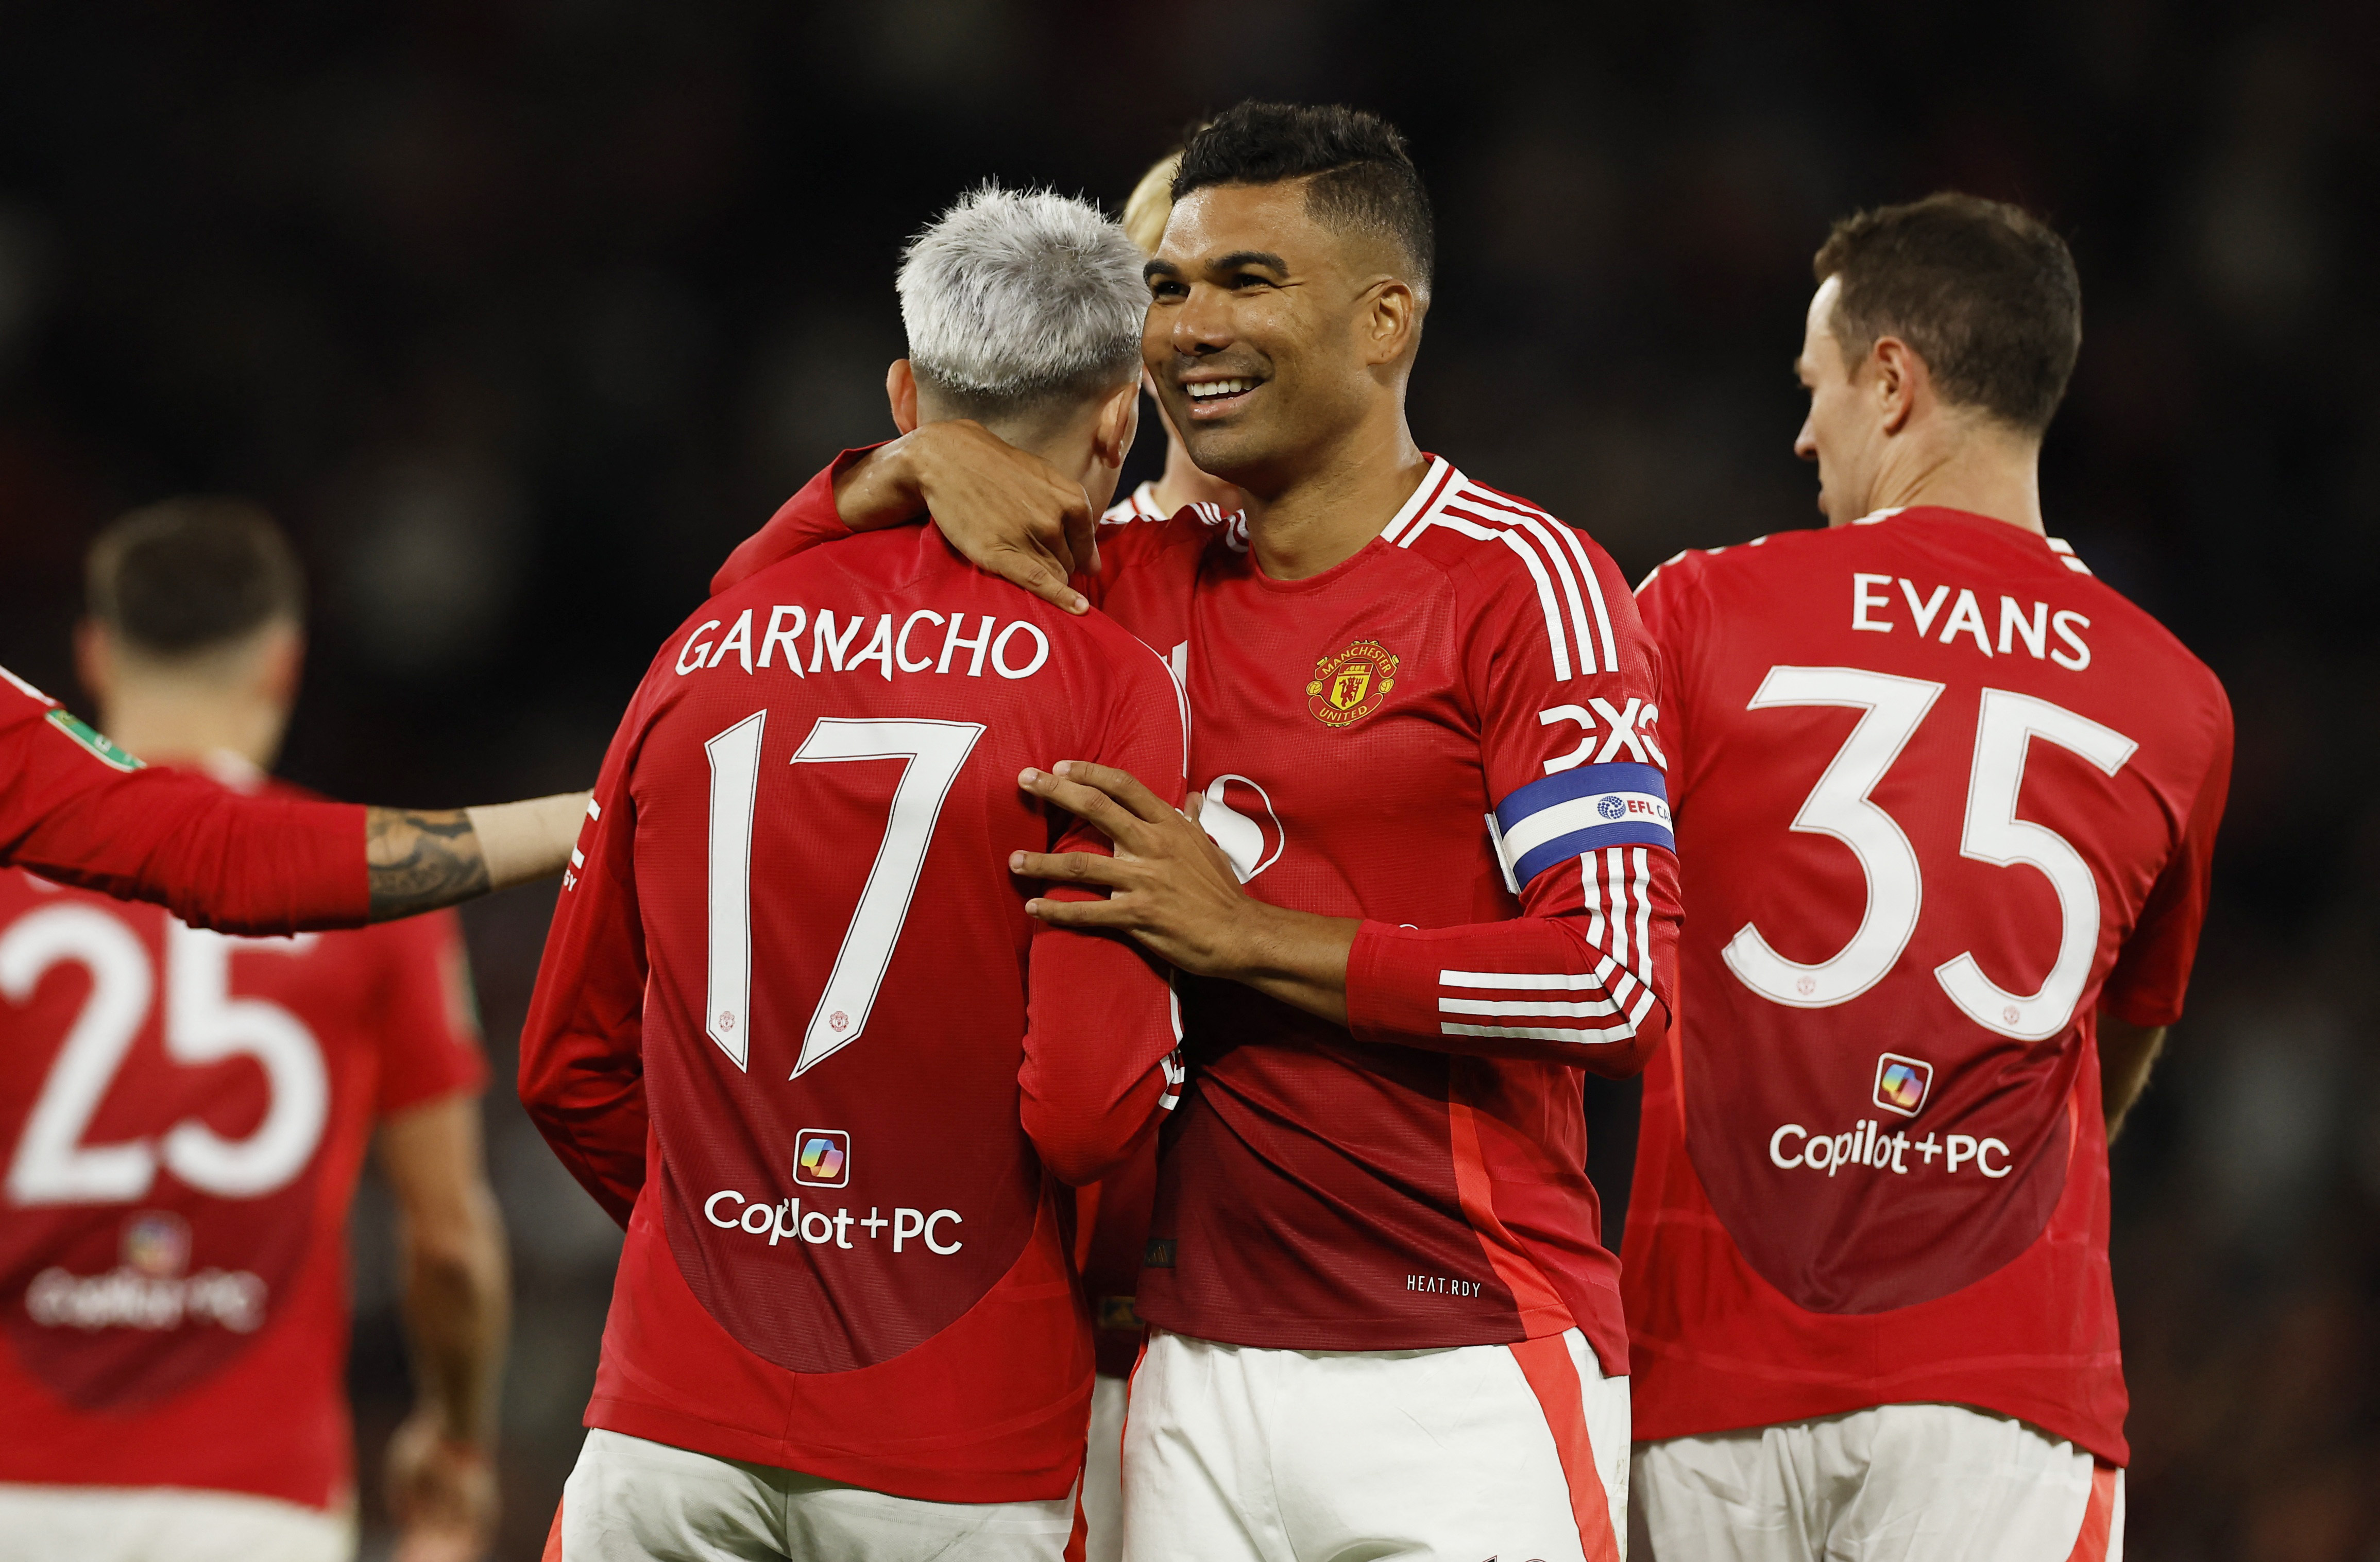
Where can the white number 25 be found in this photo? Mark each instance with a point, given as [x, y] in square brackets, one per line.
[204, 1023]
[1891, 709]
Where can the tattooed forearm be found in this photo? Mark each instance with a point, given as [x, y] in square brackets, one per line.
[422, 860]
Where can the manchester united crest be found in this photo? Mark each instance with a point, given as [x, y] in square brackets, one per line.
[1350, 684]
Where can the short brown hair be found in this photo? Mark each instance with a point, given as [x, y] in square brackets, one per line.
[188, 575]
[1985, 292]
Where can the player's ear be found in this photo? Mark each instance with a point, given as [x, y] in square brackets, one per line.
[1898, 373]
[1393, 319]
[94, 656]
[1118, 425]
[900, 389]
[280, 662]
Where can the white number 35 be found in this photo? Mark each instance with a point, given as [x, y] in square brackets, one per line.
[1892, 709]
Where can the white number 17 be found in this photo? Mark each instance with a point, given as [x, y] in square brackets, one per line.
[935, 751]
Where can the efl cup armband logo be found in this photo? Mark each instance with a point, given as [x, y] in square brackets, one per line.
[1352, 683]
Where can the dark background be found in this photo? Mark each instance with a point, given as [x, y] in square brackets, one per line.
[521, 312]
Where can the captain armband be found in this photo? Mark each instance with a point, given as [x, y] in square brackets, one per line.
[1575, 812]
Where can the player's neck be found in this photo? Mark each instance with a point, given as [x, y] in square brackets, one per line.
[1982, 471]
[1324, 515]
[1184, 484]
[186, 723]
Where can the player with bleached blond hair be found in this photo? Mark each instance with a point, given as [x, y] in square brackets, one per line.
[1182, 482]
[1381, 1322]
[797, 981]
[1114, 1214]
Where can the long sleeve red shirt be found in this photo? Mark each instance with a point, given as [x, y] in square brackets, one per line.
[79, 810]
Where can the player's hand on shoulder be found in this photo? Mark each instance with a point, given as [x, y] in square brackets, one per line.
[1008, 511]
[442, 1494]
[1168, 884]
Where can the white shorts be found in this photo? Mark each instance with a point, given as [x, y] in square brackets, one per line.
[1103, 1474]
[1234, 1452]
[629, 1500]
[1896, 1484]
[165, 1524]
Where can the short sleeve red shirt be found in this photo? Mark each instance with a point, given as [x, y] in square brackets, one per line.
[183, 1116]
[1942, 797]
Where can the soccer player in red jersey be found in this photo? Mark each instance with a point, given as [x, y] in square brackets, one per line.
[1440, 889]
[795, 1028]
[79, 809]
[1946, 803]
[185, 1116]
[1181, 483]
[1113, 1231]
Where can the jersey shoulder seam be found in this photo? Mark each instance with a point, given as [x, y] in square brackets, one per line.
[1522, 555]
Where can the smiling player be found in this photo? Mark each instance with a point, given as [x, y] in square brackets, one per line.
[1946, 804]
[1425, 731]
[1181, 482]
[1113, 1212]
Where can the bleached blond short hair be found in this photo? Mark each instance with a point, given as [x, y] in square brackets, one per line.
[1015, 299]
[1151, 202]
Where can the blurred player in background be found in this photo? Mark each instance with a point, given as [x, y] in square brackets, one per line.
[1946, 804]
[793, 1002]
[1182, 482]
[183, 1115]
[1381, 1320]
[1113, 1227]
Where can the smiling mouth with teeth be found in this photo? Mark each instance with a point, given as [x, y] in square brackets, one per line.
[1207, 389]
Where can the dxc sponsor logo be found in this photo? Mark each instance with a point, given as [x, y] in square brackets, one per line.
[1612, 734]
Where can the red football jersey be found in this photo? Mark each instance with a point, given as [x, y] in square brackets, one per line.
[79, 810]
[1111, 1231]
[1140, 504]
[1453, 735]
[182, 1118]
[1942, 796]
[1110, 1234]
[794, 949]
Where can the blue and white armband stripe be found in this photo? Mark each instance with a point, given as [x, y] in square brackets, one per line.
[1577, 812]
